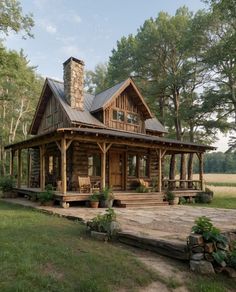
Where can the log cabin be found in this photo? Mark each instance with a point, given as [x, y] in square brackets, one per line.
[111, 137]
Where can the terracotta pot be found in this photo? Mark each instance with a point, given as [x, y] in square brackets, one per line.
[94, 204]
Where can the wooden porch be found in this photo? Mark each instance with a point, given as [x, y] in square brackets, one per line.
[121, 198]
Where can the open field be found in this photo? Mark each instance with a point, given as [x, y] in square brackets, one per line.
[224, 187]
[219, 179]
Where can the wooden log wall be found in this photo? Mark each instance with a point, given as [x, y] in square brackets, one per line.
[35, 168]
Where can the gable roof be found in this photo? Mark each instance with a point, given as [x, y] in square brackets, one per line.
[103, 99]
[90, 103]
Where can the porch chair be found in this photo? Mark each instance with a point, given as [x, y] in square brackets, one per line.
[144, 183]
[85, 185]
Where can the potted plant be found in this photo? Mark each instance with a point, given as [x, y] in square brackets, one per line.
[171, 198]
[46, 198]
[106, 198]
[6, 185]
[94, 200]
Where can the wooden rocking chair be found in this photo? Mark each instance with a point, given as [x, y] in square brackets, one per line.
[85, 185]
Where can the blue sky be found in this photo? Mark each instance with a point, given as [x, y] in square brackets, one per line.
[86, 29]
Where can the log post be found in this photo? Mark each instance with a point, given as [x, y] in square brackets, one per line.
[104, 148]
[63, 166]
[201, 170]
[29, 163]
[190, 170]
[159, 171]
[172, 171]
[19, 168]
[103, 165]
[12, 153]
[42, 167]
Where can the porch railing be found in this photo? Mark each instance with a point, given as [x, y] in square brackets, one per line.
[175, 184]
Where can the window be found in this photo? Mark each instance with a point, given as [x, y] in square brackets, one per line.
[50, 164]
[132, 165]
[143, 166]
[132, 119]
[118, 116]
[94, 165]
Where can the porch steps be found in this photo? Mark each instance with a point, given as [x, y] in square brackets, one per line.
[130, 200]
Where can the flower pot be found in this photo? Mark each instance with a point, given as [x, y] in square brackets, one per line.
[94, 204]
[109, 203]
[174, 202]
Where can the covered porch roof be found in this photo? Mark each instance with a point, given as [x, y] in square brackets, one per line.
[111, 136]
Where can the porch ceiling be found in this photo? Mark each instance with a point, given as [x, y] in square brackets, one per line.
[111, 136]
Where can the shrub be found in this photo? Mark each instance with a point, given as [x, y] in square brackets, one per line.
[142, 189]
[182, 201]
[232, 257]
[102, 223]
[7, 184]
[169, 195]
[94, 197]
[205, 197]
[209, 232]
[47, 195]
[106, 194]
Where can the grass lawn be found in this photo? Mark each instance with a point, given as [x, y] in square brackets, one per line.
[45, 253]
[224, 197]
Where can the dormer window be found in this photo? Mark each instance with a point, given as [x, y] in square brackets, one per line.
[118, 116]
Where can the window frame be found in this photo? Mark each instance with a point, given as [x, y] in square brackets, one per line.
[100, 171]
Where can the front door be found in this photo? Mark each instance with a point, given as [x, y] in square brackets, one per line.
[116, 170]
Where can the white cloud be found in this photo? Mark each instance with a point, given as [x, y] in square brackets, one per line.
[47, 26]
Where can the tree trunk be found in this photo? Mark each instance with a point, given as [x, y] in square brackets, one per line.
[190, 170]
[172, 172]
[183, 171]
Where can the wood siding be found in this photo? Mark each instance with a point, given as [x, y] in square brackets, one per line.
[127, 105]
[53, 117]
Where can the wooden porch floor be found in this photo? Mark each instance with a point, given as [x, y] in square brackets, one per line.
[121, 198]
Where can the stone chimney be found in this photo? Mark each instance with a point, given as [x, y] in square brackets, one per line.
[74, 82]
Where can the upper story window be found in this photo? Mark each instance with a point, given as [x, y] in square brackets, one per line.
[118, 115]
[132, 119]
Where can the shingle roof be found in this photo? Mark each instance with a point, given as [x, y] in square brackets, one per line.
[102, 98]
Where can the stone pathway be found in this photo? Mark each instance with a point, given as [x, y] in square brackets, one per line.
[167, 222]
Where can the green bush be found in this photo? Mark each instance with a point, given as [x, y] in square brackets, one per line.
[7, 183]
[141, 189]
[182, 201]
[209, 232]
[204, 197]
[47, 195]
[169, 195]
[101, 223]
[94, 197]
[106, 194]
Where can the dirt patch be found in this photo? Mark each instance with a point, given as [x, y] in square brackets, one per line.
[49, 269]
